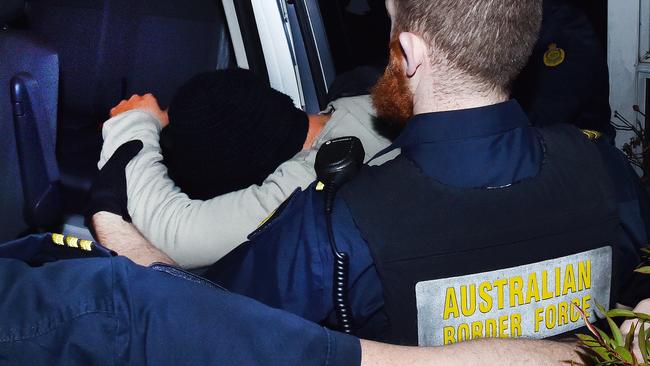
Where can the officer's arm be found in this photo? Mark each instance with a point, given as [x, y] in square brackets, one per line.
[122, 237]
[500, 352]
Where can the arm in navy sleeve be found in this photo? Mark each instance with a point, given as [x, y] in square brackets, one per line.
[633, 201]
[195, 323]
[634, 213]
[288, 262]
[107, 311]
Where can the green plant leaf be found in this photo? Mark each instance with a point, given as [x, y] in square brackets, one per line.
[588, 340]
[615, 313]
[624, 354]
[601, 309]
[642, 316]
[642, 342]
[644, 270]
[605, 337]
[629, 338]
[616, 333]
[602, 353]
[585, 337]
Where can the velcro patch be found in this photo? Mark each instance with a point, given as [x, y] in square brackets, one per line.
[532, 301]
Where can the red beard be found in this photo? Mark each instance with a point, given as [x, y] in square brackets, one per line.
[392, 96]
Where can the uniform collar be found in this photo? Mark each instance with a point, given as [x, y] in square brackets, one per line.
[462, 124]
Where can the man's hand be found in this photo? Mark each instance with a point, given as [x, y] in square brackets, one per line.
[122, 237]
[147, 103]
[642, 307]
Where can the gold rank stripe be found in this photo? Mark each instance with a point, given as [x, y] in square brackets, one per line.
[58, 239]
[86, 245]
[72, 242]
[591, 134]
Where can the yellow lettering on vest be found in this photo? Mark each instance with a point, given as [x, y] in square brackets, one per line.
[532, 290]
[483, 289]
[463, 332]
[569, 280]
[549, 316]
[515, 325]
[516, 285]
[546, 294]
[451, 304]
[586, 305]
[491, 328]
[584, 275]
[563, 313]
[468, 300]
[477, 329]
[449, 335]
[499, 285]
[538, 318]
[503, 326]
[575, 305]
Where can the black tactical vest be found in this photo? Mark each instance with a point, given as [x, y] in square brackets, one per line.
[457, 264]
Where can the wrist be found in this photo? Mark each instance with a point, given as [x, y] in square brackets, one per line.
[106, 226]
[123, 238]
[133, 118]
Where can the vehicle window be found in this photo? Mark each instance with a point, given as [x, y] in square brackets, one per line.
[358, 32]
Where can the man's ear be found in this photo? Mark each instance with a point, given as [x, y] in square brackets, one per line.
[415, 51]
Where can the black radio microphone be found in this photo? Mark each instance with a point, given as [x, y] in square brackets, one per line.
[337, 162]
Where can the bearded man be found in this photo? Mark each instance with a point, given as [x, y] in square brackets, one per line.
[482, 227]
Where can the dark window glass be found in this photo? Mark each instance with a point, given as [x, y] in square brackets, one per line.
[358, 32]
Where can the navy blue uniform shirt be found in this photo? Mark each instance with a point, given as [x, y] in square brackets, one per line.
[287, 263]
[571, 85]
[94, 308]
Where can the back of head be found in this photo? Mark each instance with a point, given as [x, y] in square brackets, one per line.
[229, 130]
[488, 40]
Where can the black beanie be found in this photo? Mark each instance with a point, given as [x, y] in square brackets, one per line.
[229, 130]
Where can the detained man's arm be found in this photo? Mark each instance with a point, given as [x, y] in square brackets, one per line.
[195, 233]
[123, 238]
[502, 352]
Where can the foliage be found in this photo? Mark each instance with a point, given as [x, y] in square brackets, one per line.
[637, 149]
[614, 348]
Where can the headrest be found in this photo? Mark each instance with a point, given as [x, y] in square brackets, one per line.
[10, 10]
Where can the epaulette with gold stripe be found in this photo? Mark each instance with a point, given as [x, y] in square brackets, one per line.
[72, 242]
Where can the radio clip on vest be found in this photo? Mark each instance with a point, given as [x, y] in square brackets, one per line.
[337, 161]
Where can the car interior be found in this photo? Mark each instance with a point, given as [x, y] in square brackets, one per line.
[65, 63]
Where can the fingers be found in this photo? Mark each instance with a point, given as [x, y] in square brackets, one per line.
[120, 107]
[164, 118]
[146, 102]
[145, 97]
